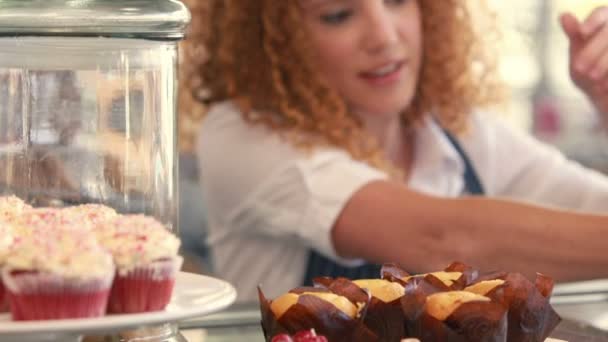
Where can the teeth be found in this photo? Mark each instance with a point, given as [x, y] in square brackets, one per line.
[385, 70]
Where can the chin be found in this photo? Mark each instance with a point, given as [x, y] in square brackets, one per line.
[386, 108]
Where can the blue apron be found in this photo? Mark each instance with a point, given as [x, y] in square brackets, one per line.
[319, 265]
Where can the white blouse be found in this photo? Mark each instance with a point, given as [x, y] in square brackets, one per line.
[268, 203]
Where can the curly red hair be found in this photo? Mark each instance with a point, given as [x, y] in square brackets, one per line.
[256, 53]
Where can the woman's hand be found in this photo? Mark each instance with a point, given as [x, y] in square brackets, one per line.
[589, 55]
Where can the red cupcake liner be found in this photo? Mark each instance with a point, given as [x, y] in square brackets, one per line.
[144, 289]
[3, 298]
[44, 296]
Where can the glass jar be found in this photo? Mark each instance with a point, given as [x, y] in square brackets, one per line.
[88, 103]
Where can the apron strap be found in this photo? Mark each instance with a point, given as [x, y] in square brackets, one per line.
[319, 265]
[472, 182]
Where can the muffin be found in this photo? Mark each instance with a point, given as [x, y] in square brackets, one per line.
[57, 274]
[530, 314]
[146, 257]
[384, 316]
[456, 316]
[337, 317]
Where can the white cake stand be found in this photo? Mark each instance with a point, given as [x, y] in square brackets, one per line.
[194, 295]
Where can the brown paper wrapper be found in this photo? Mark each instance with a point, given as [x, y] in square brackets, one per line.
[386, 320]
[531, 316]
[392, 272]
[469, 273]
[475, 321]
[311, 312]
[344, 287]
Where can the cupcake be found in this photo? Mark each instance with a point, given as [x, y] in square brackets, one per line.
[146, 257]
[6, 241]
[11, 206]
[57, 274]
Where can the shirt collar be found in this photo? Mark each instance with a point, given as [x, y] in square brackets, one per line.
[437, 167]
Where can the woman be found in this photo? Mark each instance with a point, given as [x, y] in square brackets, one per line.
[345, 133]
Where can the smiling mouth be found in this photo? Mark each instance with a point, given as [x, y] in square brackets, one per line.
[384, 70]
[384, 74]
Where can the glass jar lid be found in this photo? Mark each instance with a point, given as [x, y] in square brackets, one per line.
[145, 19]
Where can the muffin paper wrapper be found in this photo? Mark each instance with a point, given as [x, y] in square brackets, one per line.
[531, 316]
[386, 320]
[3, 298]
[394, 273]
[473, 321]
[156, 270]
[313, 312]
[144, 289]
[46, 283]
[40, 296]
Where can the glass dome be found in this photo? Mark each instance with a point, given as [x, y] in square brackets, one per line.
[142, 19]
[88, 110]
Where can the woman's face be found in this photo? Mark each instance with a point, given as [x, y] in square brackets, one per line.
[369, 51]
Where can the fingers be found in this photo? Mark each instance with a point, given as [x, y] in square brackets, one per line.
[570, 25]
[596, 20]
[600, 69]
[590, 59]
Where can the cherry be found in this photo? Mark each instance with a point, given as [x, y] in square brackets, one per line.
[282, 338]
[308, 336]
[304, 334]
[312, 339]
[301, 336]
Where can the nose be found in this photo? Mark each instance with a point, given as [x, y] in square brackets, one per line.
[381, 31]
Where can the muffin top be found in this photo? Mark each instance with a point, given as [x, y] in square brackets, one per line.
[64, 252]
[283, 303]
[382, 289]
[442, 304]
[136, 240]
[11, 206]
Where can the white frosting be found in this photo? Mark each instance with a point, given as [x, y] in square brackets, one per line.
[91, 214]
[6, 241]
[67, 253]
[11, 206]
[136, 240]
[45, 219]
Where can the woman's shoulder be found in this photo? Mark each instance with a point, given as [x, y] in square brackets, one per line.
[225, 125]
[227, 141]
[224, 115]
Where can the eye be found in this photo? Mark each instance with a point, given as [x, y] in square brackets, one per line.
[336, 17]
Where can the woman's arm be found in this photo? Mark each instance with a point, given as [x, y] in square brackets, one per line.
[386, 221]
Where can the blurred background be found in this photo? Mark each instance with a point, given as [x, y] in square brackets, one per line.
[534, 63]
